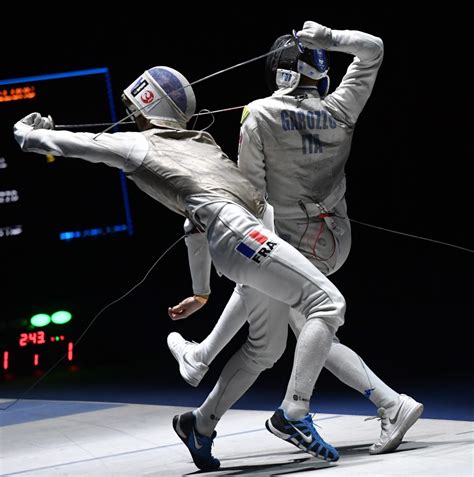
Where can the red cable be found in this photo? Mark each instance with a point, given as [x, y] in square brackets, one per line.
[321, 227]
[322, 216]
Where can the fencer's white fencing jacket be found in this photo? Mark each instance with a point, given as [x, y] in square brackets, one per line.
[294, 147]
[183, 170]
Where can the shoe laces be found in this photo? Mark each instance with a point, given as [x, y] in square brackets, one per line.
[325, 448]
[381, 416]
[205, 440]
[309, 420]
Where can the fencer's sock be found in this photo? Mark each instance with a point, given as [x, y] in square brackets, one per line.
[349, 368]
[236, 377]
[312, 348]
[231, 320]
[294, 410]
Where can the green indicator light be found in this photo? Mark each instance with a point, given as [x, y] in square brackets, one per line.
[61, 317]
[41, 319]
[57, 338]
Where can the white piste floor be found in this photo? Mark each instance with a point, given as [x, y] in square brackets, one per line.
[66, 438]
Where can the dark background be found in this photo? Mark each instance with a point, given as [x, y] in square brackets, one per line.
[409, 301]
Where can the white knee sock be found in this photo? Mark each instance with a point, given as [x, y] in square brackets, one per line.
[229, 323]
[235, 379]
[349, 368]
[312, 348]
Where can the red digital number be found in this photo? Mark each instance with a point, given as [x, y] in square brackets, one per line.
[37, 337]
[23, 339]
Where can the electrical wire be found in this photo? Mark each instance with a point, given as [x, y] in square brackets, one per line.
[205, 78]
[203, 112]
[106, 307]
[405, 234]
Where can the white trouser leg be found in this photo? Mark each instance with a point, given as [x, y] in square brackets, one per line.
[281, 272]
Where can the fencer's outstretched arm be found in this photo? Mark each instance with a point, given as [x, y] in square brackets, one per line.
[350, 97]
[125, 151]
[122, 150]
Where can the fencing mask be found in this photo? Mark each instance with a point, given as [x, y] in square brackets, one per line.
[285, 67]
[163, 96]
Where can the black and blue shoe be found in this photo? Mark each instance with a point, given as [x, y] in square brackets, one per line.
[302, 434]
[198, 445]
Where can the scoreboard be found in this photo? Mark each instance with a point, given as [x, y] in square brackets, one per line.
[49, 207]
[55, 198]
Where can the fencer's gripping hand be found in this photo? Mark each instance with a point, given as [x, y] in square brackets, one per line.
[313, 35]
[29, 123]
[185, 308]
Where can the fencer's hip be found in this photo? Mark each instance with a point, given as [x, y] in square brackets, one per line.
[276, 268]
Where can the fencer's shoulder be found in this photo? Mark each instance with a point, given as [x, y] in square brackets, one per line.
[261, 104]
[256, 109]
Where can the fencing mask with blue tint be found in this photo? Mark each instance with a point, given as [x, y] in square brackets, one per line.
[285, 67]
[163, 96]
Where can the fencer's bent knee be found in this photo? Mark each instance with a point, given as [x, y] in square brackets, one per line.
[258, 357]
[330, 308]
[339, 309]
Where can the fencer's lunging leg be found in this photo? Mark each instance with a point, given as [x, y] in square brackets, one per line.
[250, 254]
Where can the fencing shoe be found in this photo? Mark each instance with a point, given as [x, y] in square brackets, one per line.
[198, 445]
[302, 434]
[191, 370]
[396, 420]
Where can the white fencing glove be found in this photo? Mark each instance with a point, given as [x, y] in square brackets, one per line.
[313, 35]
[33, 121]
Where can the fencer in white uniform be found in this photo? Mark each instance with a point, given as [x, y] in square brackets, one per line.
[293, 147]
[187, 172]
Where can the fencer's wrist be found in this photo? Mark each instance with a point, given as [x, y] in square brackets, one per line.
[201, 299]
[20, 131]
[314, 35]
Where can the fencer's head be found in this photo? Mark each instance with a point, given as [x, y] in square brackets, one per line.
[161, 96]
[288, 68]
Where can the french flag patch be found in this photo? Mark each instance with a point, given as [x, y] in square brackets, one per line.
[256, 246]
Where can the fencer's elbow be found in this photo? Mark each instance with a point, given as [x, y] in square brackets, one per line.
[371, 47]
[378, 43]
[378, 47]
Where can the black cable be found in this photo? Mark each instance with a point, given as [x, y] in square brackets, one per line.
[419, 237]
[48, 372]
[303, 208]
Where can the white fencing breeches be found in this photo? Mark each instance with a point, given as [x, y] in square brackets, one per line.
[245, 251]
[248, 253]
